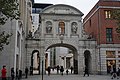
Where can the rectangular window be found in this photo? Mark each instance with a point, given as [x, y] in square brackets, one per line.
[110, 60]
[38, 10]
[33, 10]
[110, 54]
[118, 52]
[107, 14]
[109, 37]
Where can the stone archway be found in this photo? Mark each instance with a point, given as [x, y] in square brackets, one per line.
[87, 60]
[35, 62]
[74, 51]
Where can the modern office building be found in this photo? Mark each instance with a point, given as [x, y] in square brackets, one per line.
[36, 9]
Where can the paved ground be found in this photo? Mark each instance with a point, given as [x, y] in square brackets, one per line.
[69, 77]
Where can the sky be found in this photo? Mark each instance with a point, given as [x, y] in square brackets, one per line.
[83, 5]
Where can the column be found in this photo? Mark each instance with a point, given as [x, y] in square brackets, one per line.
[42, 58]
[65, 62]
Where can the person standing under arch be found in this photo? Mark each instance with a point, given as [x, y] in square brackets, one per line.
[61, 70]
[12, 73]
[58, 68]
[71, 68]
[26, 72]
[49, 70]
[86, 71]
[31, 70]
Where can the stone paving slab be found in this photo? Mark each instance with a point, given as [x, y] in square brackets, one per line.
[70, 77]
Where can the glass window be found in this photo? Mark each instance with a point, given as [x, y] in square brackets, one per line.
[38, 10]
[110, 54]
[61, 28]
[107, 14]
[33, 10]
[109, 37]
[110, 64]
[118, 52]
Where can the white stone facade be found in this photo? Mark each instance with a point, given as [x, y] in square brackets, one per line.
[60, 19]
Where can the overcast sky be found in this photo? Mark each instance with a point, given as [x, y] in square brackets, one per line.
[83, 5]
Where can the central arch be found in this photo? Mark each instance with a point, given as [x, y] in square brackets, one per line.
[74, 51]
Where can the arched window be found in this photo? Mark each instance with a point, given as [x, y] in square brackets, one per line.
[74, 28]
[48, 27]
[61, 28]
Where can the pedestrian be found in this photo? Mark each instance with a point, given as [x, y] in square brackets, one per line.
[61, 70]
[3, 72]
[118, 72]
[17, 78]
[53, 68]
[86, 71]
[12, 73]
[71, 69]
[114, 74]
[58, 68]
[67, 71]
[26, 72]
[31, 70]
[20, 74]
[49, 70]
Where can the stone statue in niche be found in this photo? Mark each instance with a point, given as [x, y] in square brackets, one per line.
[74, 28]
[49, 27]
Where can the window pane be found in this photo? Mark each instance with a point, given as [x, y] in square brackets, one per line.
[61, 27]
[38, 10]
[33, 10]
[109, 34]
[110, 54]
[107, 14]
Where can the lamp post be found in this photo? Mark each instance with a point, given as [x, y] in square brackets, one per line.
[43, 64]
[42, 69]
[64, 61]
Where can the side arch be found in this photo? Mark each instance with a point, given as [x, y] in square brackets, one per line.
[35, 68]
[87, 60]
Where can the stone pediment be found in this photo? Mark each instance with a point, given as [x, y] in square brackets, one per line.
[62, 9]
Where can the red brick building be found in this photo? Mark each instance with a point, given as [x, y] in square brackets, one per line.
[100, 26]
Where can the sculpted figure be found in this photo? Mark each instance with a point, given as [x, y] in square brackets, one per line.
[74, 28]
[48, 27]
